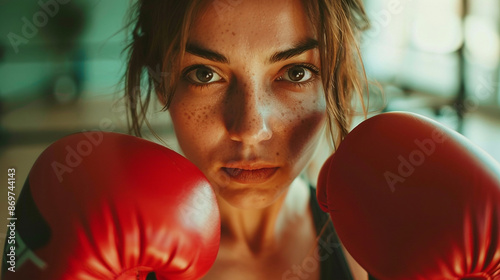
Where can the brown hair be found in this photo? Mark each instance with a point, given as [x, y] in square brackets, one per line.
[160, 31]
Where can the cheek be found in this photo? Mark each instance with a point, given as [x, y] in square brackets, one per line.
[306, 126]
[194, 123]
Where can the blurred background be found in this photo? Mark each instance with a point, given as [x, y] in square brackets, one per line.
[439, 58]
[61, 62]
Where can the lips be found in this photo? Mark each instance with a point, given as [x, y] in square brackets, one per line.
[250, 175]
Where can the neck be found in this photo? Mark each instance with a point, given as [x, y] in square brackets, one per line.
[260, 230]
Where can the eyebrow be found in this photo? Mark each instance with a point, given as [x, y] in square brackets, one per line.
[206, 53]
[299, 48]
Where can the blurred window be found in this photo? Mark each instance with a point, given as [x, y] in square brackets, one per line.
[436, 47]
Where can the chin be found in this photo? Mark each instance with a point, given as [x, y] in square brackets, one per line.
[251, 197]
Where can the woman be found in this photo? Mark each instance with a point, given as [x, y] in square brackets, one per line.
[250, 86]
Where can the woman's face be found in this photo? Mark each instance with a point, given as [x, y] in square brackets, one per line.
[250, 107]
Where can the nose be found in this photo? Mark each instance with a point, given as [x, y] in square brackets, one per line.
[247, 113]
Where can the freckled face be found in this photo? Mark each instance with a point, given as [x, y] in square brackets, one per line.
[250, 108]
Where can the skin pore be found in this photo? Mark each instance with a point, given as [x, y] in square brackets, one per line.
[249, 111]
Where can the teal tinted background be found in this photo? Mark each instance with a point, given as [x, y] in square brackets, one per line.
[95, 29]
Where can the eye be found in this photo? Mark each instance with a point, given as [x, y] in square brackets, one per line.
[203, 75]
[297, 74]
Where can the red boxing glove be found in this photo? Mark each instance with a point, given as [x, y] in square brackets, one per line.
[111, 206]
[411, 199]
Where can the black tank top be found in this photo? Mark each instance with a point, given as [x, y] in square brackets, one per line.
[333, 264]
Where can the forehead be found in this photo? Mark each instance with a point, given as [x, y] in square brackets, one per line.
[260, 26]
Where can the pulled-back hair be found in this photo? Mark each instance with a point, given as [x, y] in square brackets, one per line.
[159, 35]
